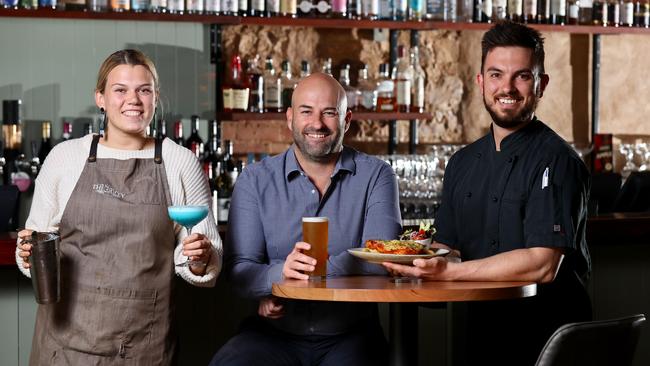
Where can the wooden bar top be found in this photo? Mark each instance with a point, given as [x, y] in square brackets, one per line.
[382, 289]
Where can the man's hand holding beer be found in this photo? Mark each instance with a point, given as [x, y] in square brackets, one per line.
[297, 263]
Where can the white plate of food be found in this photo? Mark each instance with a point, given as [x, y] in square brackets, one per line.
[395, 251]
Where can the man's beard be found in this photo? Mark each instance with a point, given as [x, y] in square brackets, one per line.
[512, 121]
[317, 152]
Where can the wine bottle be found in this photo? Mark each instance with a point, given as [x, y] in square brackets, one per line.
[178, 133]
[194, 141]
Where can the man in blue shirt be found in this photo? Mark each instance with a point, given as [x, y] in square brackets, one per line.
[316, 176]
[514, 204]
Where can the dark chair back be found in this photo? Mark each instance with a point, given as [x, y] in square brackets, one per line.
[595, 343]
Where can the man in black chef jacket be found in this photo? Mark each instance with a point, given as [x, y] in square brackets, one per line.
[514, 206]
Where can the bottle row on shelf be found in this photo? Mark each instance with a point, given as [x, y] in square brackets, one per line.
[398, 90]
[585, 12]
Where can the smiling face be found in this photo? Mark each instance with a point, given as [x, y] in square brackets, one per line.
[129, 99]
[511, 86]
[317, 118]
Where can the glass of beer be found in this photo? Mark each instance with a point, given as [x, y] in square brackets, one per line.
[314, 232]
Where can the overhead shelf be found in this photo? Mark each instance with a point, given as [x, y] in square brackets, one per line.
[376, 116]
[303, 22]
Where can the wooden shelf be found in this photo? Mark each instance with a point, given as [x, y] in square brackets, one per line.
[305, 22]
[281, 116]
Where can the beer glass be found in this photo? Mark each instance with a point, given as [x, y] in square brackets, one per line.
[314, 232]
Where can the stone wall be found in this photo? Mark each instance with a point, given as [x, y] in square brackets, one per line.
[451, 60]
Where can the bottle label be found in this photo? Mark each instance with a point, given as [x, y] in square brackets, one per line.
[140, 4]
[339, 6]
[273, 6]
[628, 14]
[404, 92]
[352, 96]
[530, 7]
[368, 100]
[228, 98]
[574, 9]
[240, 99]
[176, 5]
[158, 4]
[370, 7]
[272, 95]
[230, 5]
[257, 5]
[195, 5]
[418, 92]
[288, 7]
[213, 6]
[223, 206]
[558, 7]
[121, 4]
[515, 7]
[243, 5]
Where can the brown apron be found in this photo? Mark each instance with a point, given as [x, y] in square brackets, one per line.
[117, 268]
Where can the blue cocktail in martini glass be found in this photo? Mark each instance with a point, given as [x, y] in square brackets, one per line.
[188, 216]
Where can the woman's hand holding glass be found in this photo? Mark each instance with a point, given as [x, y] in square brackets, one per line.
[198, 248]
[25, 249]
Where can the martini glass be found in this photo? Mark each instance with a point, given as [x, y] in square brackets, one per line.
[188, 216]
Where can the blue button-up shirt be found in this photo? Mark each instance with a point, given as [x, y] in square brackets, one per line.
[265, 221]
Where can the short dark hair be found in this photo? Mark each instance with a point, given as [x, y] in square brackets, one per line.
[510, 34]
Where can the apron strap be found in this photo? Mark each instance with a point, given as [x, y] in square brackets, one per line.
[92, 156]
[158, 151]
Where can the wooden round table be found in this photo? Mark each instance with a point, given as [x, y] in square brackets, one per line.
[403, 341]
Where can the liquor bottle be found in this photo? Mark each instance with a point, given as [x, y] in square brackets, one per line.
[600, 13]
[385, 10]
[176, 6]
[120, 5]
[47, 4]
[67, 131]
[385, 93]
[194, 142]
[272, 8]
[323, 8]
[10, 4]
[287, 83]
[638, 13]
[161, 131]
[4, 180]
[585, 13]
[400, 10]
[240, 89]
[242, 7]
[327, 66]
[46, 141]
[464, 11]
[178, 133]
[403, 77]
[339, 9]
[515, 10]
[140, 6]
[194, 6]
[543, 11]
[450, 10]
[499, 10]
[97, 5]
[223, 188]
[11, 134]
[289, 8]
[160, 6]
[574, 11]
[229, 7]
[627, 13]
[558, 12]
[419, 77]
[272, 88]
[351, 93]
[25, 4]
[88, 129]
[369, 9]
[415, 10]
[256, 84]
[354, 8]
[530, 11]
[258, 8]
[482, 11]
[214, 153]
[229, 163]
[367, 90]
[305, 69]
[434, 10]
[613, 13]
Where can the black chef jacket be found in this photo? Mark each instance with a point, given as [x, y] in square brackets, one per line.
[532, 193]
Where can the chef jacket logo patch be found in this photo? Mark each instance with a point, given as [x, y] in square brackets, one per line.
[107, 190]
[557, 228]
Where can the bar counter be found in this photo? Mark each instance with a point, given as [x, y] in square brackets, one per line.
[607, 229]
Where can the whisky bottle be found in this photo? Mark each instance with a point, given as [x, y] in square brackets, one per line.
[272, 88]
[385, 90]
[403, 77]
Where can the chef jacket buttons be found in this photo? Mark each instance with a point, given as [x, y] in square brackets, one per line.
[495, 199]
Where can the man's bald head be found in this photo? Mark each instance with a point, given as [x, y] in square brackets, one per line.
[324, 85]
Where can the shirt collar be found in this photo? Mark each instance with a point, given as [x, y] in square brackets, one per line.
[345, 162]
[514, 141]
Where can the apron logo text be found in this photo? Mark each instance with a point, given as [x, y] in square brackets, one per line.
[107, 190]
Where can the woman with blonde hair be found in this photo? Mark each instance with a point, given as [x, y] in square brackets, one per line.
[107, 196]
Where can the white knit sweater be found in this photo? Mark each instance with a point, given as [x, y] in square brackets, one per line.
[187, 186]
